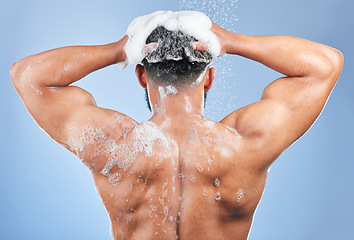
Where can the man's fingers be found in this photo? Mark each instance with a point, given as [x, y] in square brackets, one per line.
[149, 48]
[199, 46]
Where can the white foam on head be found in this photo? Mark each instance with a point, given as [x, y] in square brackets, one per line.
[192, 23]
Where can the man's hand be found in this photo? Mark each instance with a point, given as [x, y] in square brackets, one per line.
[149, 48]
[222, 36]
[198, 46]
[120, 53]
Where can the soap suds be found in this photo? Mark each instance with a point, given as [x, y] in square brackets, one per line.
[192, 23]
[39, 92]
[114, 178]
[162, 92]
[188, 105]
[144, 137]
[199, 167]
[82, 137]
[171, 90]
[240, 194]
[26, 70]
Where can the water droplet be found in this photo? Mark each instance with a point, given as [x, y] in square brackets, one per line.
[217, 196]
[165, 211]
[162, 202]
[240, 194]
[205, 193]
[217, 182]
[199, 167]
[128, 219]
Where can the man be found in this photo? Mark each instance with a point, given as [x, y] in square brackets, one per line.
[179, 175]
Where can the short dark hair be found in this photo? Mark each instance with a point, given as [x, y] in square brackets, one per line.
[174, 61]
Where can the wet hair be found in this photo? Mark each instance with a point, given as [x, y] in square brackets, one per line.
[174, 61]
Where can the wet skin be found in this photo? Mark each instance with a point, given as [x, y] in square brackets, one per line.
[194, 182]
[179, 174]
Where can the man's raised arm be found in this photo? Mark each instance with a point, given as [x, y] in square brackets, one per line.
[289, 105]
[43, 80]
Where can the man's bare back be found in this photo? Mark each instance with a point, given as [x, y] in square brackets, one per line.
[180, 175]
[162, 179]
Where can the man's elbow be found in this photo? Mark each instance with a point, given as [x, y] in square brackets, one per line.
[14, 74]
[338, 61]
[334, 64]
[19, 71]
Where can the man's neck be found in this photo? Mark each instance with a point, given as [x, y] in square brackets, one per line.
[176, 103]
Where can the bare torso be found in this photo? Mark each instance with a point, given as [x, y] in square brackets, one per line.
[160, 180]
[180, 176]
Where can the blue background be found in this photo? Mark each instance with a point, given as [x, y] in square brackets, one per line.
[47, 194]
